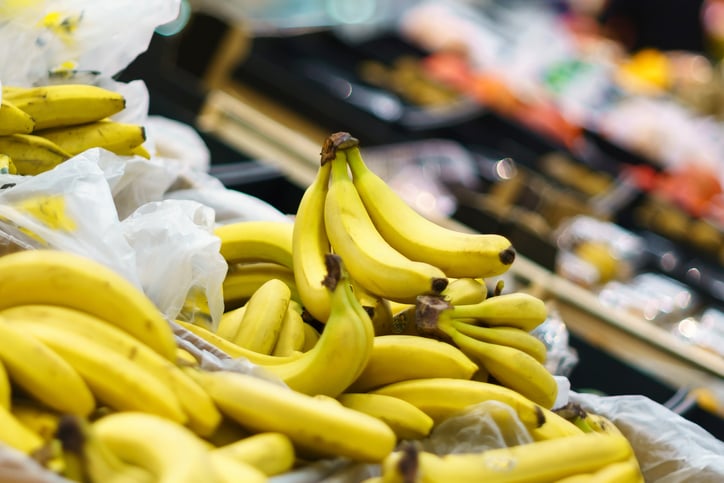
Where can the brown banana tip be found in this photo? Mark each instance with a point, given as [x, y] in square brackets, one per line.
[540, 415]
[408, 464]
[439, 284]
[507, 256]
[70, 433]
[338, 140]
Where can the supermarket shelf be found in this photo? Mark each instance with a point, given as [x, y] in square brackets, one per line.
[268, 132]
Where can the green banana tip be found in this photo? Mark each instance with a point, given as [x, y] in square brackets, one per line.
[335, 141]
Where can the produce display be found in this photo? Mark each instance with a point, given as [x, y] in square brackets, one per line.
[349, 333]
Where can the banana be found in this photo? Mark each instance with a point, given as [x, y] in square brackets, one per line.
[313, 426]
[228, 432]
[243, 280]
[203, 416]
[601, 424]
[270, 452]
[230, 322]
[554, 427]
[507, 336]
[343, 348]
[14, 120]
[371, 261]
[5, 389]
[291, 333]
[229, 470]
[627, 471]
[378, 308]
[406, 420]
[262, 320]
[117, 137]
[310, 244]
[42, 373]
[54, 277]
[456, 253]
[517, 309]
[32, 154]
[140, 150]
[65, 104]
[511, 367]
[257, 241]
[311, 336]
[37, 417]
[171, 453]
[402, 357]
[185, 358]
[6, 165]
[17, 435]
[115, 380]
[539, 461]
[441, 397]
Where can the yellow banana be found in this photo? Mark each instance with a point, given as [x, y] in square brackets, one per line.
[244, 279]
[16, 435]
[230, 322]
[507, 336]
[14, 120]
[291, 333]
[5, 389]
[41, 372]
[140, 150]
[627, 471]
[456, 253]
[32, 154]
[203, 417]
[263, 317]
[257, 241]
[533, 462]
[171, 453]
[517, 309]
[554, 427]
[185, 358]
[37, 417]
[310, 244]
[378, 308]
[343, 348]
[6, 165]
[406, 420]
[396, 358]
[440, 397]
[53, 277]
[270, 452]
[228, 432]
[229, 470]
[115, 380]
[371, 261]
[313, 426]
[311, 337]
[65, 104]
[601, 424]
[117, 137]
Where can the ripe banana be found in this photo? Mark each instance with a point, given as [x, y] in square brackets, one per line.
[5, 389]
[263, 316]
[17, 435]
[627, 471]
[270, 452]
[65, 104]
[507, 336]
[14, 120]
[41, 372]
[378, 308]
[311, 336]
[257, 241]
[396, 358]
[244, 279]
[517, 309]
[533, 462]
[167, 450]
[117, 137]
[441, 397]
[291, 333]
[6, 165]
[229, 470]
[32, 154]
[203, 417]
[37, 417]
[456, 253]
[371, 261]
[554, 427]
[314, 426]
[53, 277]
[115, 380]
[343, 348]
[310, 244]
[406, 420]
[230, 322]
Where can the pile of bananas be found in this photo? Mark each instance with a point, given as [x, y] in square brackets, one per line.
[376, 320]
[40, 127]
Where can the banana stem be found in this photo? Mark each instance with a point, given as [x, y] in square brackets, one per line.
[431, 312]
[338, 140]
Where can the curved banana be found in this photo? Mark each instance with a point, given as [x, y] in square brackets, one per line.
[203, 416]
[17, 435]
[291, 333]
[257, 241]
[548, 460]
[507, 336]
[167, 450]
[229, 470]
[441, 397]
[311, 337]
[115, 380]
[41, 372]
[6, 165]
[396, 358]
[242, 280]
[5, 389]
[54, 277]
[270, 452]
[378, 308]
[117, 137]
[230, 322]
[32, 154]
[263, 316]
[65, 104]
[517, 309]
[314, 426]
[371, 261]
[343, 348]
[456, 253]
[37, 417]
[14, 120]
[406, 420]
[554, 427]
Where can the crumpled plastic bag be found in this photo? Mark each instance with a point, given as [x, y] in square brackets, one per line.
[16, 467]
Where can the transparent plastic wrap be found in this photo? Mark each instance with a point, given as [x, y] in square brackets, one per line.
[561, 357]
[16, 467]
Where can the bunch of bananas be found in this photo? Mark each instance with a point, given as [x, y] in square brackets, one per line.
[40, 127]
